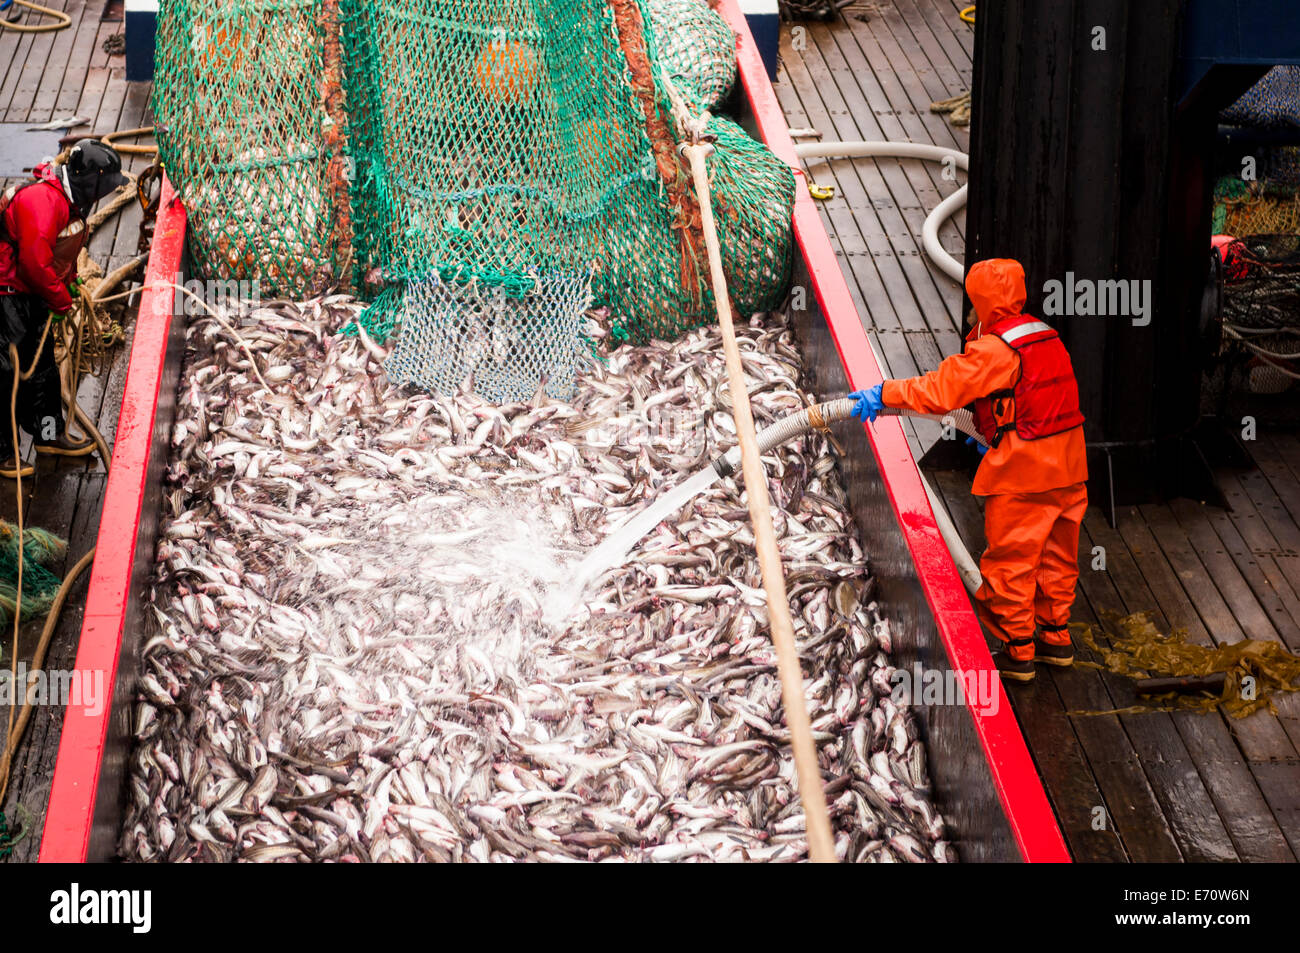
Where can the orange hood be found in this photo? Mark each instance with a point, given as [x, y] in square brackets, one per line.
[996, 287]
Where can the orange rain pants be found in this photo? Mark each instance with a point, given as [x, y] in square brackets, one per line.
[1031, 565]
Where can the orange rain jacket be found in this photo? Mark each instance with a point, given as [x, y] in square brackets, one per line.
[987, 365]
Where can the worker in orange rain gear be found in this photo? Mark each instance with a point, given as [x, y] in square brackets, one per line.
[1016, 372]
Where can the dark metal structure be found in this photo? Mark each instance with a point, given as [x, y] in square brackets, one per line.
[1091, 145]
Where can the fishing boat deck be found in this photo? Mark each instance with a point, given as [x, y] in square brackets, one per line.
[1151, 786]
[43, 76]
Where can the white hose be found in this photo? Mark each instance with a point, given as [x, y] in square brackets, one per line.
[861, 149]
[961, 557]
[841, 408]
[906, 150]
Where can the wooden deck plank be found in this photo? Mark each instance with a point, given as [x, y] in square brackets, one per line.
[1206, 741]
[1278, 780]
[74, 75]
[936, 42]
[1280, 566]
[1214, 788]
[1268, 584]
[875, 269]
[44, 64]
[43, 75]
[41, 107]
[913, 187]
[1260, 736]
[886, 58]
[879, 186]
[874, 276]
[956, 37]
[1224, 602]
[1149, 820]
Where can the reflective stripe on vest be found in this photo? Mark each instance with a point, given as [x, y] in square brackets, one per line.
[1029, 327]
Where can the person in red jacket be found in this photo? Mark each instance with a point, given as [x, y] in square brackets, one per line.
[42, 231]
[1033, 476]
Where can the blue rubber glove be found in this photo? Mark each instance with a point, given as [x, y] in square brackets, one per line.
[979, 447]
[869, 403]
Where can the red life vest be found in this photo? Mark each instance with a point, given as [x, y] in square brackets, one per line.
[1045, 398]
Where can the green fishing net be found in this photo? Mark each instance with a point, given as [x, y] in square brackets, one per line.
[696, 49]
[41, 551]
[482, 172]
[238, 115]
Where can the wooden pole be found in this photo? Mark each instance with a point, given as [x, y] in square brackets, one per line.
[821, 845]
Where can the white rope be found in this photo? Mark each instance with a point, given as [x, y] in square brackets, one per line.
[1267, 354]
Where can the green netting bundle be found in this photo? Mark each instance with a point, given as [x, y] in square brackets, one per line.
[240, 124]
[510, 163]
[752, 193]
[41, 551]
[492, 140]
[695, 48]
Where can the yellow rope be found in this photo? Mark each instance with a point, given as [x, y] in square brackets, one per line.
[135, 150]
[63, 19]
[968, 14]
[19, 375]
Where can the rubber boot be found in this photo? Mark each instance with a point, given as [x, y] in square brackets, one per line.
[1014, 669]
[65, 446]
[1054, 653]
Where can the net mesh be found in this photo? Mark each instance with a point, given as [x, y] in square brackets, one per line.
[1272, 103]
[483, 172]
[42, 553]
[696, 49]
[240, 120]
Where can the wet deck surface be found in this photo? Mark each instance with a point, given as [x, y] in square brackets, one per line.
[1172, 786]
[43, 76]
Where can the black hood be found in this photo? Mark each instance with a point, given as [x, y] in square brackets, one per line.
[93, 170]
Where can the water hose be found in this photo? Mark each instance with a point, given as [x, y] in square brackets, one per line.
[835, 410]
[906, 150]
[820, 416]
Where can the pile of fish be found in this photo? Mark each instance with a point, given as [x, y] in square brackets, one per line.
[365, 643]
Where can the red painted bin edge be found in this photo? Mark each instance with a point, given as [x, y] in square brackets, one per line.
[1032, 822]
[70, 813]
